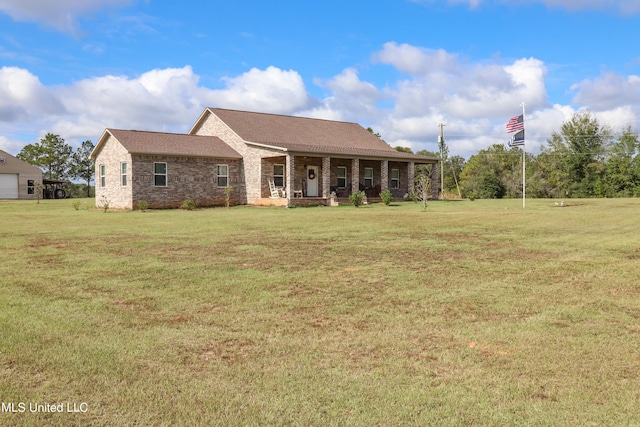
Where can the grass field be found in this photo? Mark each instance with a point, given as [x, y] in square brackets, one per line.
[473, 313]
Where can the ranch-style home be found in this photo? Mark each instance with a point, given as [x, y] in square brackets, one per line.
[266, 159]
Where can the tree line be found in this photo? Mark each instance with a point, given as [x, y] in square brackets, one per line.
[59, 161]
[584, 159]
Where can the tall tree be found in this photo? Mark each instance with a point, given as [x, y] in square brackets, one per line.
[621, 176]
[581, 148]
[51, 154]
[493, 173]
[82, 166]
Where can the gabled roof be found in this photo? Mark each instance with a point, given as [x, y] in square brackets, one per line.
[12, 164]
[303, 134]
[160, 143]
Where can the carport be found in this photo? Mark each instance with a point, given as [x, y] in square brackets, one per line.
[54, 189]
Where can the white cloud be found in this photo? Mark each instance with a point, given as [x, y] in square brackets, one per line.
[474, 99]
[9, 146]
[271, 90]
[416, 60]
[620, 117]
[24, 98]
[163, 99]
[351, 99]
[59, 14]
[621, 6]
[168, 99]
[608, 91]
[625, 7]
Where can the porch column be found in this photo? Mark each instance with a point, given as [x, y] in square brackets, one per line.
[289, 172]
[355, 175]
[326, 177]
[410, 176]
[435, 182]
[384, 175]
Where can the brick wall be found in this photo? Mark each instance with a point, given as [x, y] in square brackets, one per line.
[187, 178]
[403, 167]
[111, 156]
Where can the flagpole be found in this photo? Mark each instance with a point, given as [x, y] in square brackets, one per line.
[441, 144]
[524, 198]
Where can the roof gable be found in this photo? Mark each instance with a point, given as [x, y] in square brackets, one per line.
[161, 143]
[12, 164]
[284, 131]
[306, 134]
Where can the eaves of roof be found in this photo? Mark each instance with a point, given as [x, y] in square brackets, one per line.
[348, 152]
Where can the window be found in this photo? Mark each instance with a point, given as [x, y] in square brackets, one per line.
[31, 187]
[223, 175]
[395, 178]
[160, 174]
[123, 174]
[368, 177]
[103, 176]
[278, 175]
[342, 177]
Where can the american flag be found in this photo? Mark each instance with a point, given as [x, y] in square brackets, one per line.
[515, 124]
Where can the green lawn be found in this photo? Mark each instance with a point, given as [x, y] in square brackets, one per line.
[473, 313]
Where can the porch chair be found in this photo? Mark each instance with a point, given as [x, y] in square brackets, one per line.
[275, 194]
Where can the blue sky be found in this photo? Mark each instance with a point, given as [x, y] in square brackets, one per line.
[75, 67]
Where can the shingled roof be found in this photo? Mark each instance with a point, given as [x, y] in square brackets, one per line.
[310, 135]
[160, 143]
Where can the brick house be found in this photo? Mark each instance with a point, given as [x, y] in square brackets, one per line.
[309, 162]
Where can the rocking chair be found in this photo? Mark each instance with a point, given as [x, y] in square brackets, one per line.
[275, 194]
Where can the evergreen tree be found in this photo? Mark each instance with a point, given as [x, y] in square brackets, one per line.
[82, 167]
[51, 154]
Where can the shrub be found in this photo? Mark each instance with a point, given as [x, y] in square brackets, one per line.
[76, 204]
[357, 198]
[104, 203]
[189, 204]
[142, 205]
[386, 197]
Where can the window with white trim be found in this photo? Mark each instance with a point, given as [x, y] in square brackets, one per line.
[368, 177]
[278, 175]
[395, 178]
[223, 175]
[342, 176]
[103, 176]
[160, 174]
[123, 174]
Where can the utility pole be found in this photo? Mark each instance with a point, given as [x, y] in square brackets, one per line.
[441, 145]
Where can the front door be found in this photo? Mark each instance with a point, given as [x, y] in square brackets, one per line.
[312, 181]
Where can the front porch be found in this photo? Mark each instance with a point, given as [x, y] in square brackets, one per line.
[307, 180]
